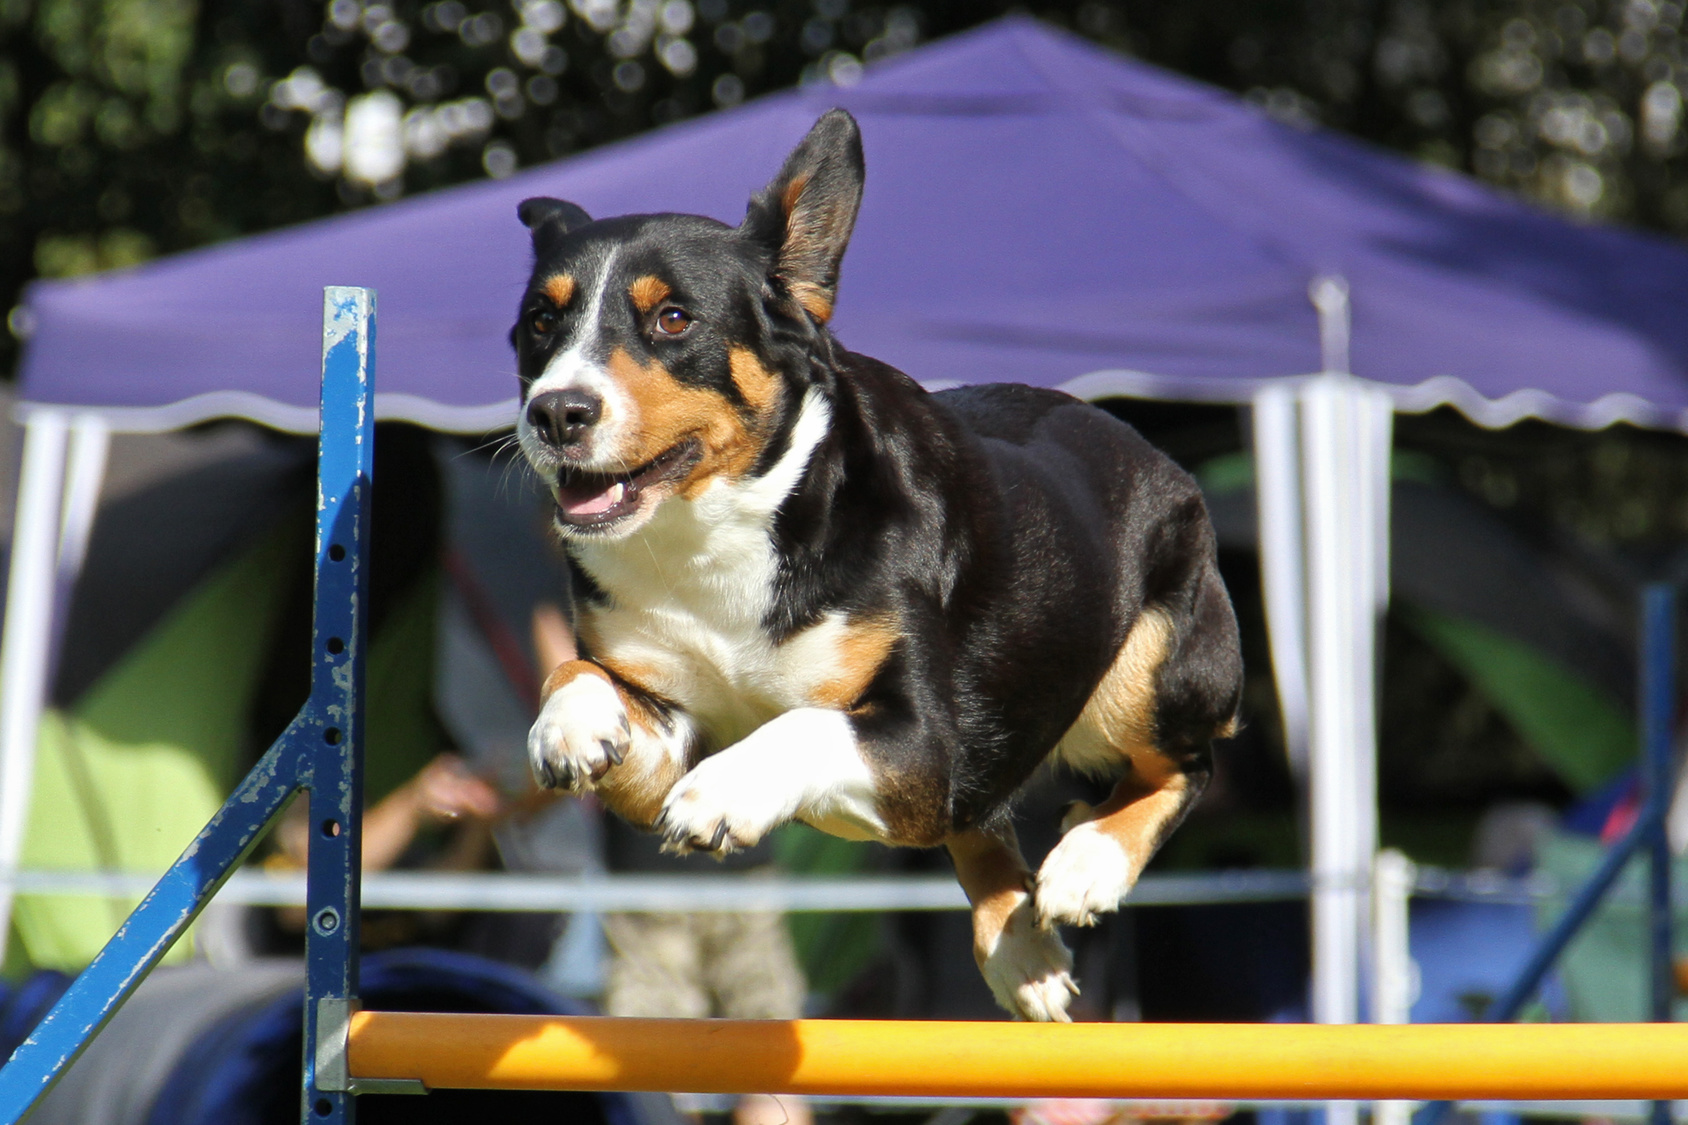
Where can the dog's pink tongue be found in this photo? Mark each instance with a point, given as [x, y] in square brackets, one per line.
[585, 503]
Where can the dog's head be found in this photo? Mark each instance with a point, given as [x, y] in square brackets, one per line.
[659, 354]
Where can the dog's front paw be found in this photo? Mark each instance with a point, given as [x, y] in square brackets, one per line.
[1028, 969]
[1084, 875]
[717, 807]
[581, 732]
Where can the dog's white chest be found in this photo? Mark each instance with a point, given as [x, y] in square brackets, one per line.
[699, 643]
[690, 593]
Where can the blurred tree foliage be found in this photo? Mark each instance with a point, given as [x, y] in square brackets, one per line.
[134, 127]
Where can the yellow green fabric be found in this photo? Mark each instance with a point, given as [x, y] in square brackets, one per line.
[1582, 733]
[125, 780]
[401, 733]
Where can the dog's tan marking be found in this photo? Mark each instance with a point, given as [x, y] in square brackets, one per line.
[804, 229]
[759, 386]
[1118, 720]
[647, 292]
[669, 412]
[1027, 968]
[567, 671]
[635, 789]
[560, 288]
[1139, 814]
[862, 649]
[996, 879]
[793, 192]
[814, 298]
[912, 803]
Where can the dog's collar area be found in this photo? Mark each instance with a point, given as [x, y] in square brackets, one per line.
[590, 500]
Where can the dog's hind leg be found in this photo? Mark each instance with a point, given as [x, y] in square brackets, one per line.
[1171, 690]
[1103, 850]
[1027, 968]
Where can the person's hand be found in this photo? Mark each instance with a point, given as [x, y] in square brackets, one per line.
[446, 790]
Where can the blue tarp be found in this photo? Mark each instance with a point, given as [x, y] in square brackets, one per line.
[1037, 209]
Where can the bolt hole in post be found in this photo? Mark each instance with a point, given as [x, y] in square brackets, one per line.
[331, 736]
[326, 921]
[336, 552]
[331, 828]
[324, 1107]
[336, 646]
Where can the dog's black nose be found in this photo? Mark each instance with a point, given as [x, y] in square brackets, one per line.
[563, 417]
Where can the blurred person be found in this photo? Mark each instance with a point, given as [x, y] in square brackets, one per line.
[733, 965]
[443, 818]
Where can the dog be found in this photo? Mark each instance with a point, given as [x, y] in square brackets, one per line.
[807, 589]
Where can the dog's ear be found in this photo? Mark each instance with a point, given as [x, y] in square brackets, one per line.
[549, 219]
[805, 216]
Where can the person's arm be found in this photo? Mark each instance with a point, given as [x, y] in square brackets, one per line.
[442, 792]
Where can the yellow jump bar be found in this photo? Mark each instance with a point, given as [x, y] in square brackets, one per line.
[1023, 1060]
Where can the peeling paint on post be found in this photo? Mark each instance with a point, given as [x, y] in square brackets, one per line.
[306, 755]
[335, 777]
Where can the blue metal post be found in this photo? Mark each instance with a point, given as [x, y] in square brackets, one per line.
[1658, 711]
[1587, 898]
[333, 762]
[1658, 715]
[319, 750]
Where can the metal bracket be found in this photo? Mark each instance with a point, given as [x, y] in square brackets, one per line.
[333, 1073]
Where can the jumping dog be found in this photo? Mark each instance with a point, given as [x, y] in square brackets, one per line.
[809, 590]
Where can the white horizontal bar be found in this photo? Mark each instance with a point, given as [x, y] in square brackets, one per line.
[500, 891]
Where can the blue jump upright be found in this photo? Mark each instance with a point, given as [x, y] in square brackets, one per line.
[321, 752]
[1657, 661]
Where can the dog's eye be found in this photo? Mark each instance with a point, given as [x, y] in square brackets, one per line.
[542, 321]
[672, 321]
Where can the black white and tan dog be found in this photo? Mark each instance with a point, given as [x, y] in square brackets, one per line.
[809, 590]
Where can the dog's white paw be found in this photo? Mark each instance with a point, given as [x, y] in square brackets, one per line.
[581, 732]
[1029, 970]
[1084, 875]
[721, 807]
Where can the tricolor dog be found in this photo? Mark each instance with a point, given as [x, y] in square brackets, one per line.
[809, 590]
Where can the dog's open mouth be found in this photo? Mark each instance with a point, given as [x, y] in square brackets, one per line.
[595, 500]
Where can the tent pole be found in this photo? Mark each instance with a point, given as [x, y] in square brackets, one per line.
[27, 637]
[1345, 446]
[90, 441]
[1277, 500]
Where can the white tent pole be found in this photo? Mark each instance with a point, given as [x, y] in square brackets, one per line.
[1345, 445]
[1277, 499]
[90, 441]
[1331, 605]
[1332, 601]
[27, 635]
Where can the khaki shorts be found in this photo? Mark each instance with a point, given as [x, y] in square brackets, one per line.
[737, 966]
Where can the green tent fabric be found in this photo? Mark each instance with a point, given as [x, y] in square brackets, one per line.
[125, 779]
[401, 732]
[1582, 733]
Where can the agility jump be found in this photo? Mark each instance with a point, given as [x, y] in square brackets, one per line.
[1305, 1062]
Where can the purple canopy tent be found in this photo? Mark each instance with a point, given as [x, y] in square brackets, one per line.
[1037, 210]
